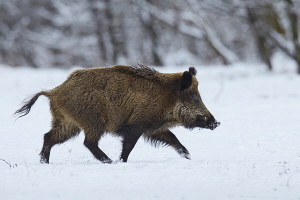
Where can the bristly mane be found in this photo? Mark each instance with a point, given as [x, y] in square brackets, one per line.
[140, 70]
[144, 68]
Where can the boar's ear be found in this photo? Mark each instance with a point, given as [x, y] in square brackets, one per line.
[186, 80]
[193, 70]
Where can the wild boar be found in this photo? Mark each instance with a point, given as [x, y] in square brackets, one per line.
[127, 101]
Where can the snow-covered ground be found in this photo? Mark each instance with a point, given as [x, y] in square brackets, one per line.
[254, 154]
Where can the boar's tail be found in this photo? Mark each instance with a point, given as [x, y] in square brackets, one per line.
[25, 109]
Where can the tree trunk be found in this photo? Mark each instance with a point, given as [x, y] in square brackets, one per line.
[265, 51]
[116, 32]
[149, 28]
[294, 31]
[95, 12]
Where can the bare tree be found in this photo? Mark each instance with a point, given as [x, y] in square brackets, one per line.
[276, 26]
[289, 42]
[42, 33]
[114, 23]
[149, 23]
[263, 46]
[96, 10]
[190, 23]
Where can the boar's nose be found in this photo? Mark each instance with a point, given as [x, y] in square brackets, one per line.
[212, 123]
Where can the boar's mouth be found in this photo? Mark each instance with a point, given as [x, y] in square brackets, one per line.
[204, 122]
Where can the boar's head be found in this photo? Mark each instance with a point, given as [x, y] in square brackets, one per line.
[191, 110]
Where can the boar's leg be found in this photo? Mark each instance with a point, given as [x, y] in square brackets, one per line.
[169, 139]
[61, 131]
[91, 142]
[130, 134]
[128, 144]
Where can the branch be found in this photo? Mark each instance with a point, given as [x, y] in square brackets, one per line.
[279, 42]
[194, 26]
[210, 35]
[10, 166]
[171, 19]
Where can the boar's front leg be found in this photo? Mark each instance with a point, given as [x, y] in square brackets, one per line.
[130, 134]
[169, 139]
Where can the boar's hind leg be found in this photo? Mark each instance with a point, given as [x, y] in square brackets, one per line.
[169, 139]
[60, 132]
[91, 140]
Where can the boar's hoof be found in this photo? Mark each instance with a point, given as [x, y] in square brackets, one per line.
[187, 156]
[184, 153]
[106, 160]
[44, 161]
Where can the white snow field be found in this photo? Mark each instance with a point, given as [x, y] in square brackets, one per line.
[253, 154]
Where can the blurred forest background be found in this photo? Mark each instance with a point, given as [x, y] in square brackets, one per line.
[95, 33]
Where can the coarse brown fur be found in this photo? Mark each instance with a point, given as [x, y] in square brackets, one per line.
[128, 101]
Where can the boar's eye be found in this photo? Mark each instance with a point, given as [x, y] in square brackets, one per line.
[193, 98]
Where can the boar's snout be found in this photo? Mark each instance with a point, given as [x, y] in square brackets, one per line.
[212, 123]
[208, 121]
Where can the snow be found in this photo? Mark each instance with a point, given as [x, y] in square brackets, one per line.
[253, 154]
